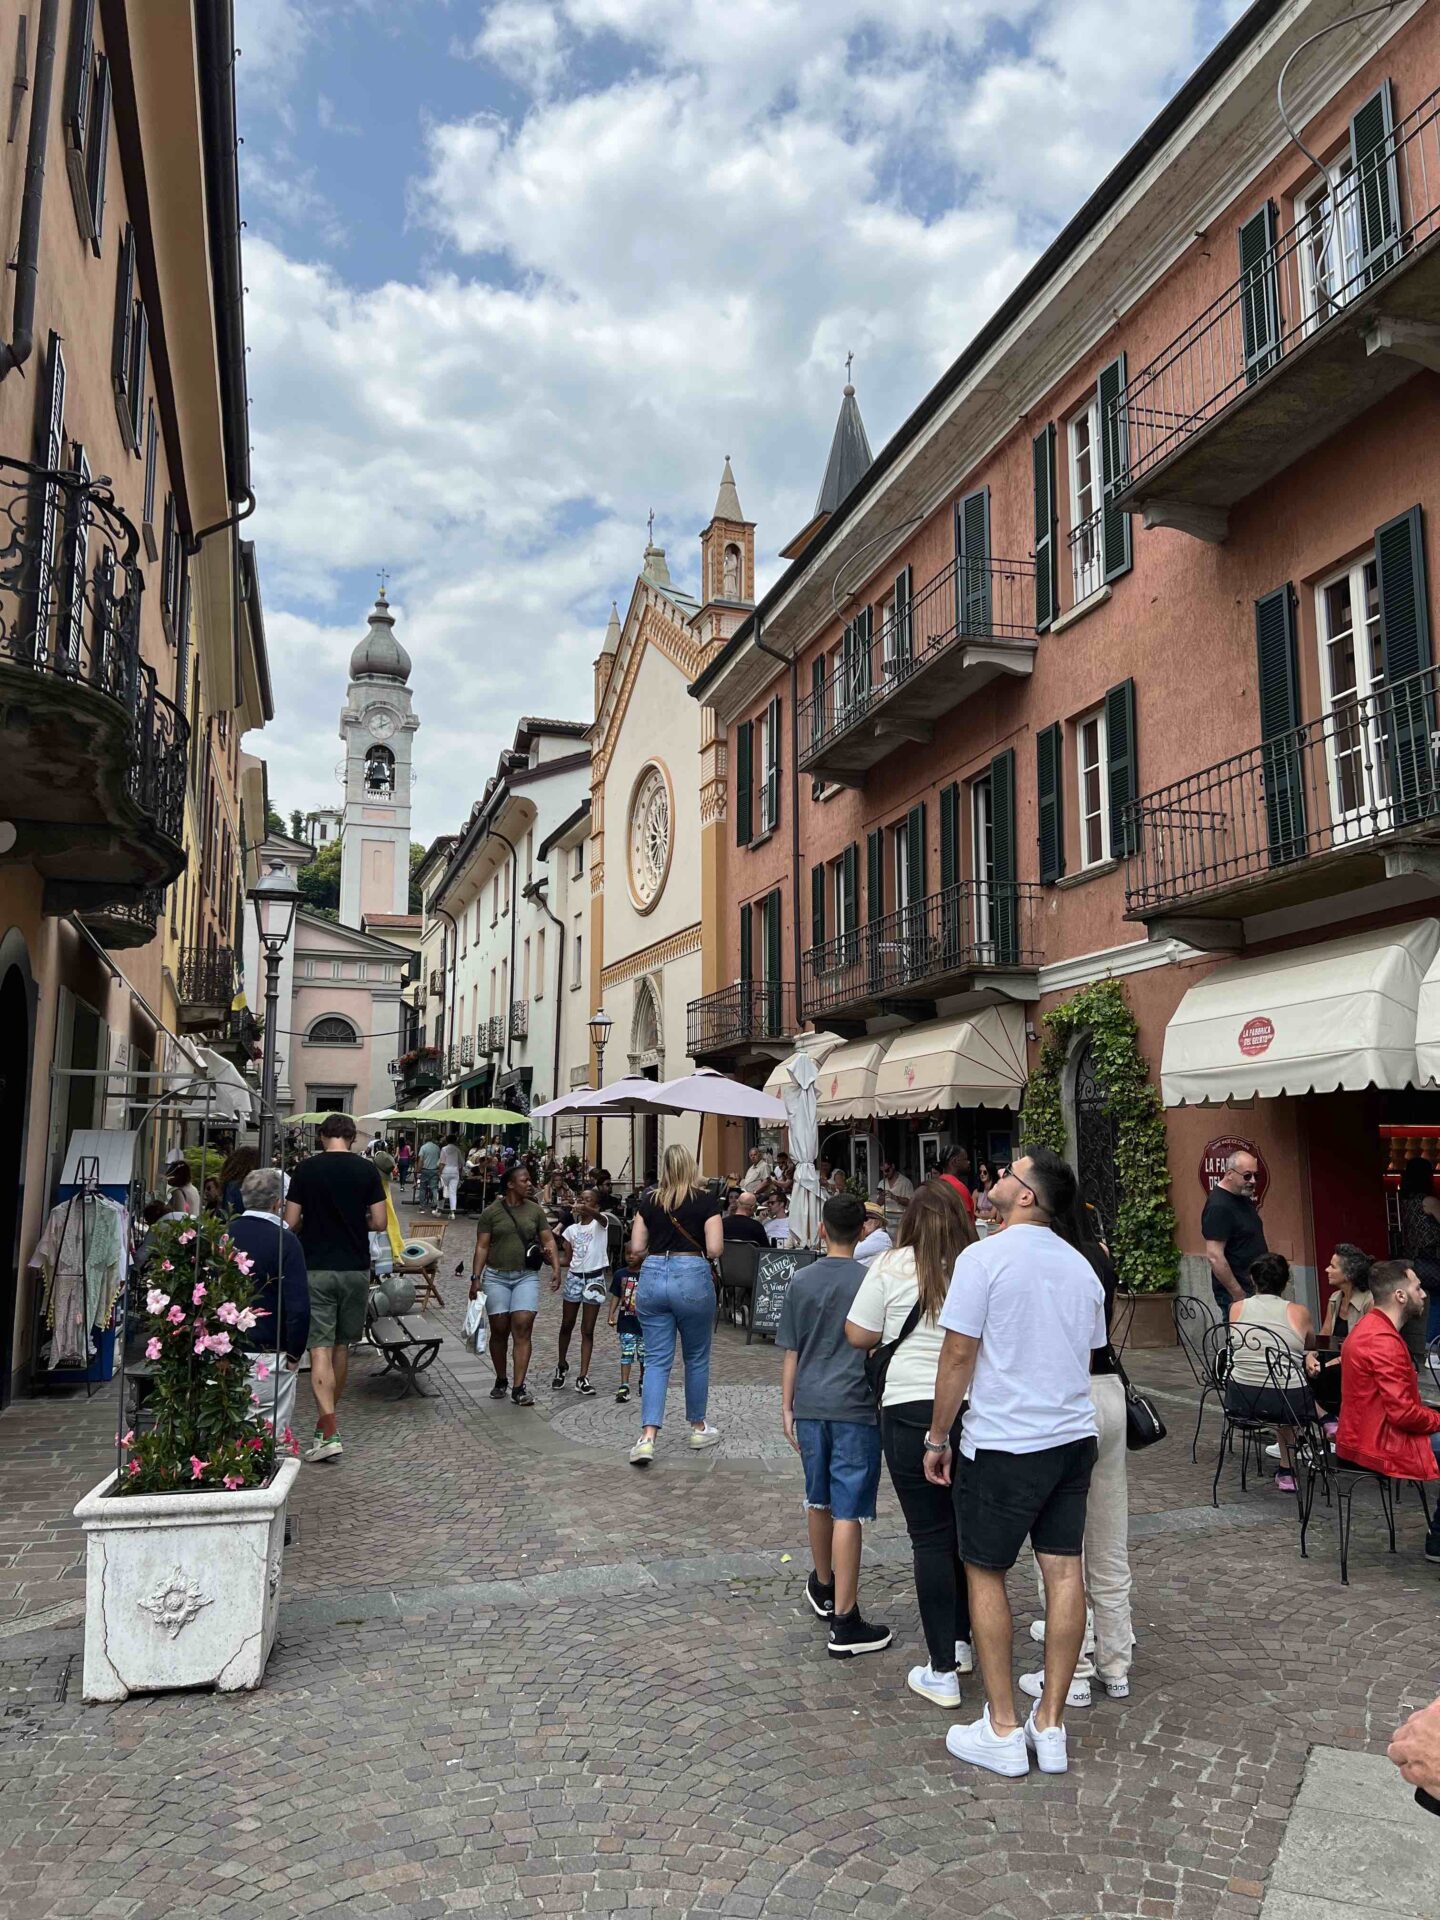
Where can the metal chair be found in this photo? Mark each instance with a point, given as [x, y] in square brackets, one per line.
[737, 1278]
[1205, 1344]
[1251, 1347]
[1340, 1478]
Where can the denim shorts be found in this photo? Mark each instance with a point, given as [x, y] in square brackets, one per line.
[511, 1292]
[592, 1288]
[842, 1467]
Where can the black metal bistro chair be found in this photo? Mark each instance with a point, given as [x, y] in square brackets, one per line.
[737, 1278]
[1205, 1344]
[1243, 1403]
[1319, 1465]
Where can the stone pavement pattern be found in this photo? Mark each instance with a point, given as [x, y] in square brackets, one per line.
[517, 1677]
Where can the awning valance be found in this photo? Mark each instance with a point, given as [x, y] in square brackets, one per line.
[1309, 1020]
[819, 1046]
[846, 1087]
[977, 1062]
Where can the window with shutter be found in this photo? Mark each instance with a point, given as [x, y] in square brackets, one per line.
[746, 948]
[1279, 675]
[972, 556]
[122, 352]
[951, 912]
[744, 783]
[901, 643]
[97, 153]
[817, 699]
[1047, 590]
[855, 648]
[771, 958]
[817, 904]
[1377, 190]
[1050, 814]
[77, 549]
[1004, 918]
[1405, 649]
[139, 346]
[875, 873]
[770, 790]
[1114, 469]
[1259, 293]
[152, 468]
[49, 451]
[1120, 754]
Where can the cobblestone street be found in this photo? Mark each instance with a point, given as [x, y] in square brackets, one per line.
[515, 1677]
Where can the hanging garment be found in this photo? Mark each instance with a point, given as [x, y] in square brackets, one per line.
[81, 1254]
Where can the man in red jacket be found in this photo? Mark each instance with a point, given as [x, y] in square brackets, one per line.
[1384, 1425]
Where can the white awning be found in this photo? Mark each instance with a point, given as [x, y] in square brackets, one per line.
[846, 1087]
[1309, 1020]
[979, 1062]
[819, 1046]
[442, 1097]
[1427, 1028]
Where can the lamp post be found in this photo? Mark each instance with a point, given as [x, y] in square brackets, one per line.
[600, 1025]
[274, 897]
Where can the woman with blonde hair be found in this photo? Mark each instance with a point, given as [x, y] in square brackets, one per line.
[897, 1309]
[677, 1232]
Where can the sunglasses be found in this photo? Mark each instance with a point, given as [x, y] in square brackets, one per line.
[1007, 1172]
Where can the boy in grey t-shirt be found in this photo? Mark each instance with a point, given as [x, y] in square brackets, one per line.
[829, 1418]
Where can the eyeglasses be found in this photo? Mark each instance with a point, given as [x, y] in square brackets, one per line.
[1007, 1172]
[1249, 1178]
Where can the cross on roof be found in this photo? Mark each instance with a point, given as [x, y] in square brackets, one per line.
[849, 362]
[651, 524]
[384, 577]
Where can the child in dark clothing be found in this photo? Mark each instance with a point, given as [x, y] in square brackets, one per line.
[626, 1322]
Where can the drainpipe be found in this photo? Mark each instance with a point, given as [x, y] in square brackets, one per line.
[447, 1013]
[536, 891]
[794, 667]
[17, 350]
[514, 918]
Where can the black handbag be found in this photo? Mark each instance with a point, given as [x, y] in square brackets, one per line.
[1143, 1425]
[534, 1252]
[877, 1360]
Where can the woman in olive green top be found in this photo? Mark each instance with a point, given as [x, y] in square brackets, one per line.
[506, 1230]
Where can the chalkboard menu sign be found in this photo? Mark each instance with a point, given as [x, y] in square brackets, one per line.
[773, 1274]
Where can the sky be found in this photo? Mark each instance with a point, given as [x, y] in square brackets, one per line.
[519, 273]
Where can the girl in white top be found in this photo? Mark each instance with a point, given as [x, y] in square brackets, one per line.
[934, 1230]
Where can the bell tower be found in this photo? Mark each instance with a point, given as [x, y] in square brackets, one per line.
[727, 563]
[378, 727]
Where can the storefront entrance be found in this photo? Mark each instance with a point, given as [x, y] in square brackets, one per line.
[1096, 1138]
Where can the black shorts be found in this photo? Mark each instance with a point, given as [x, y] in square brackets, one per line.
[1271, 1406]
[1003, 1498]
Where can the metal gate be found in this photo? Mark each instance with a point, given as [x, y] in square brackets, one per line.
[1096, 1136]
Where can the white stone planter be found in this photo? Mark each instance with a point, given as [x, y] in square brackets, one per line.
[181, 1589]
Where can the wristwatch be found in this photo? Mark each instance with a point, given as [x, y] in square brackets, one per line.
[936, 1446]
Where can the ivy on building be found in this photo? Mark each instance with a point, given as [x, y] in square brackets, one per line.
[1143, 1241]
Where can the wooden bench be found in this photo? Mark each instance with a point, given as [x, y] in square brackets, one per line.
[407, 1353]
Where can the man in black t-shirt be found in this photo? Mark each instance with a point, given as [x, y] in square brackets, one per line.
[1234, 1234]
[336, 1201]
[743, 1225]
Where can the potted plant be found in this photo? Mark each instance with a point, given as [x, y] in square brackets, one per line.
[184, 1541]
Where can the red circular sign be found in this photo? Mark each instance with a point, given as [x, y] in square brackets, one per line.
[1217, 1152]
[1256, 1035]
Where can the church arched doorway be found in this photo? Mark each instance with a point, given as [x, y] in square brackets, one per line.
[647, 1056]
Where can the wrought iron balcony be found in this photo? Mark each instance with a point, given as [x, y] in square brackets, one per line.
[940, 945]
[418, 1073]
[205, 982]
[467, 1051]
[519, 1019]
[1312, 812]
[437, 983]
[127, 923]
[1330, 317]
[974, 620]
[95, 755]
[752, 1010]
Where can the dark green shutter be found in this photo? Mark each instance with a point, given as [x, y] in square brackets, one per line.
[771, 774]
[1114, 469]
[772, 938]
[949, 836]
[875, 903]
[79, 75]
[746, 918]
[902, 637]
[850, 885]
[745, 783]
[1121, 771]
[864, 678]
[1259, 293]
[1405, 649]
[972, 562]
[96, 159]
[121, 349]
[817, 905]
[915, 850]
[1050, 812]
[817, 699]
[1279, 675]
[1004, 917]
[1047, 584]
[1372, 148]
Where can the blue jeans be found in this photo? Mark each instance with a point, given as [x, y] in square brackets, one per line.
[676, 1293]
[842, 1467]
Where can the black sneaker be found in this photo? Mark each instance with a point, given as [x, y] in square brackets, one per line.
[821, 1598]
[852, 1634]
[522, 1395]
[1432, 1549]
[622, 1396]
[582, 1385]
[500, 1389]
[559, 1380]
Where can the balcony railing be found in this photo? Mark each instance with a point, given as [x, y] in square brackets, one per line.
[130, 923]
[467, 1052]
[437, 983]
[968, 601]
[750, 1010]
[205, 977]
[964, 930]
[1370, 223]
[519, 1019]
[1368, 770]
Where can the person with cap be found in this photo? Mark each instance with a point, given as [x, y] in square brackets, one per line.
[876, 1238]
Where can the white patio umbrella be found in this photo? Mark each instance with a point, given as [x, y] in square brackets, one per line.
[711, 1092]
[801, 1074]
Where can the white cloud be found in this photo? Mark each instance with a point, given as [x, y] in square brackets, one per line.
[662, 259]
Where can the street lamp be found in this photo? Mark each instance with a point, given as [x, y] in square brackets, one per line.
[274, 897]
[600, 1025]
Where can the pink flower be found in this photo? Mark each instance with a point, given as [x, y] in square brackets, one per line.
[187, 1236]
[197, 1466]
[134, 1467]
[198, 1295]
[244, 1263]
[176, 1316]
[246, 1319]
[166, 1267]
[288, 1437]
[228, 1312]
[262, 1372]
[156, 1301]
[233, 1480]
[201, 1344]
[219, 1342]
[152, 1349]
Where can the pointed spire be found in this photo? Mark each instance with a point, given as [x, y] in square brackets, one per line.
[850, 454]
[612, 632]
[727, 501]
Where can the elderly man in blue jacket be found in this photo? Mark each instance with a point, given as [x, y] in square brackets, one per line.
[282, 1296]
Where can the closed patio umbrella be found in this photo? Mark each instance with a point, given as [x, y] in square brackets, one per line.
[801, 1074]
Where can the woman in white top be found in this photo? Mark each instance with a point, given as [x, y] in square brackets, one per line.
[934, 1230]
[1262, 1325]
[450, 1171]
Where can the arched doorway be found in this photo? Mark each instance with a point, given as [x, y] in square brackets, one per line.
[1096, 1138]
[15, 1059]
[647, 1054]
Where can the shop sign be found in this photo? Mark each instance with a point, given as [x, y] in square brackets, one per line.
[1256, 1035]
[1217, 1152]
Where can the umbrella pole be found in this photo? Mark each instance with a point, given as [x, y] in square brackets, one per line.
[700, 1143]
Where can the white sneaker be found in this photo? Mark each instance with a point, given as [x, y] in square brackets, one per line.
[1117, 1689]
[1273, 1453]
[706, 1436]
[1048, 1746]
[643, 1451]
[964, 1657]
[1087, 1645]
[942, 1688]
[1034, 1685]
[998, 1752]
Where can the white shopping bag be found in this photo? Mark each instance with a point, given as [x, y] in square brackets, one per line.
[476, 1329]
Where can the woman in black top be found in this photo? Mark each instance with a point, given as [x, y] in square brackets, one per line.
[1109, 1636]
[676, 1234]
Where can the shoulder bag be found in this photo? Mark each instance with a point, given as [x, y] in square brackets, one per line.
[1143, 1425]
[877, 1360]
[534, 1252]
[681, 1228]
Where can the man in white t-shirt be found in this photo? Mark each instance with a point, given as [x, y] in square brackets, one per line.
[897, 1191]
[876, 1239]
[1022, 1317]
[758, 1173]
